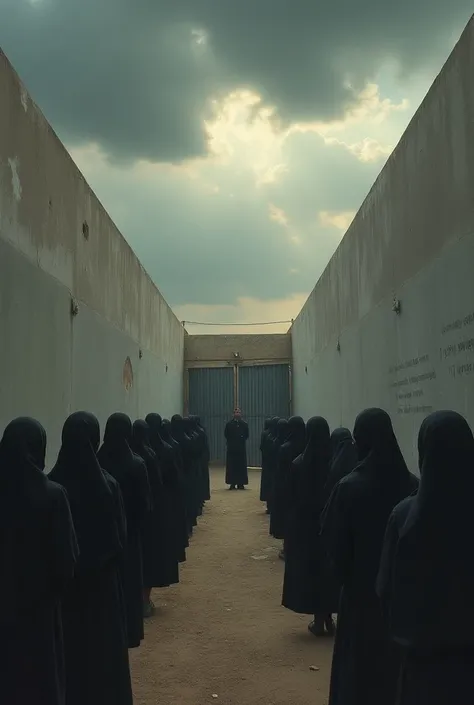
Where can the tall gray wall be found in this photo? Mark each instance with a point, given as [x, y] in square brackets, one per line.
[123, 351]
[413, 239]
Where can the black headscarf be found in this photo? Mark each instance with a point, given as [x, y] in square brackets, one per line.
[314, 461]
[282, 431]
[141, 446]
[296, 435]
[155, 424]
[140, 443]
[117, 457]
[344, 457]
[36, 556]
[93, 506]
[178, 429]
[432, 571]
[378, 450]
[273, 429]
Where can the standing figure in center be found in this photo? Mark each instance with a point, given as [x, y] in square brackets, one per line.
[236, 435]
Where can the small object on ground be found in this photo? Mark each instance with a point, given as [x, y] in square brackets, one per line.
[214, 695]
[314, 668]
[316, 629]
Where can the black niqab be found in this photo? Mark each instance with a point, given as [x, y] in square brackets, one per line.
[92, 503]
[307, 587]
[365, 665]
[344, 458]
[291, 442]
[94, 621]
[38, 551]
[160, 565]
[129, 470]
[430, 571]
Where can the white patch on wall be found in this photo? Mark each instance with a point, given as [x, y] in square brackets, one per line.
[24, 98]
[16, 185]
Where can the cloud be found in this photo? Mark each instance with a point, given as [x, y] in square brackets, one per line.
[247, 313]
[232, 143]
[217, 230]
[341, 221]
[139, 78]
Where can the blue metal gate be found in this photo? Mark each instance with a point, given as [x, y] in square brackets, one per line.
[263, 391]
[211, 397]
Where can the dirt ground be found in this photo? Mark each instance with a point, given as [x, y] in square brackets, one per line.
[222, 635]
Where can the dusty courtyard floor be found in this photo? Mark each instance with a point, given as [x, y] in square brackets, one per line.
[222, 631]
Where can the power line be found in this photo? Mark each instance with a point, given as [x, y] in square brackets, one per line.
[264, 323]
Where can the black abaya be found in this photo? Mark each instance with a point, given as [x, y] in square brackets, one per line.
[365, 665]
[168, 453]
[308, 587]
[38, 551]
[95, 634]
[292, 433]
[265, 478]
[129, 470]
[344, 458]
[236, 434]
[426, 578]
[160, 562]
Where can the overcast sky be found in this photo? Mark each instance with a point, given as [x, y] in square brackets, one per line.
[231, 141]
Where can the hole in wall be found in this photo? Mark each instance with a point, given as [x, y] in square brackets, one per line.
[306, 369]
[50, 203]
[85, 229]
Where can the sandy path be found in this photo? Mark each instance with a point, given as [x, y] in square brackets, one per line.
[222, 631]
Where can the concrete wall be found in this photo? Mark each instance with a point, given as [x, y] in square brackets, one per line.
[218, 350]
[412, 240]
[123, 351]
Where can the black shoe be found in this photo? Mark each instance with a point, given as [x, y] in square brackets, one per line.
[330, 626]
[232, 487]
[240, 487]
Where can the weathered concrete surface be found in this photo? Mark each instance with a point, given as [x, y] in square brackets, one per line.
[124, 348]
[218, 350]
[413, 239]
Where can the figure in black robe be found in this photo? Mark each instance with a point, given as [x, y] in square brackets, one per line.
[206, 457]
[265, 477]
[272, 458]
[344, 458]
[195, 448]
[309, 586]
[203, 461]
[160, 562]
[426, 578]
[292, 436]
[169, 458]
[236, 434]
[116, 456]
[95, 635]
[38, 552]
[365, 665]
[186, 455]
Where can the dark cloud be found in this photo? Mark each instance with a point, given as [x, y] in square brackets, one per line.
[208, 247]
[129, 76]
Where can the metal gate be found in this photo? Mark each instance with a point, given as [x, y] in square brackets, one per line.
[260, 391]
[211, 397]
[263, 391]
